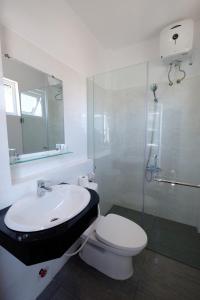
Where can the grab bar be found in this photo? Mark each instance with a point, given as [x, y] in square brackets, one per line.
[177, 182]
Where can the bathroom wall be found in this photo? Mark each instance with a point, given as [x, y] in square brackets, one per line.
[171, 204]
[119, 138]
[75, 106]
[50, 37]
[179, 141]
[180, 132]
[18, 281]
[179, 144]
[147, 50]
[119, 129]
[56, 29]
[54, 40]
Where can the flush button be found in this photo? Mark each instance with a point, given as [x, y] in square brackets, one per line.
[175, 36]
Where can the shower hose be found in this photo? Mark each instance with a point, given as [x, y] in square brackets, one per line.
[86, 239]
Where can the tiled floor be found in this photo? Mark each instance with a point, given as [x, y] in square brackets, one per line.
[175, 240]
[155, 278]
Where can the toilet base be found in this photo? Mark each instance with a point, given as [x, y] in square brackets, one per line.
[113, 265]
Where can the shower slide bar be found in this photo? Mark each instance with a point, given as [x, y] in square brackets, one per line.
[177, 183]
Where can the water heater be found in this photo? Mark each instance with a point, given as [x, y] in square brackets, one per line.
[176, 41]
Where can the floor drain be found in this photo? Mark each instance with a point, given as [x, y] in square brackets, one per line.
[54, 219]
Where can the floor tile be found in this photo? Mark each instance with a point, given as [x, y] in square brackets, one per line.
[164, 278]
[62, 294]
[50, 290]
[88, 283]
[156, 276]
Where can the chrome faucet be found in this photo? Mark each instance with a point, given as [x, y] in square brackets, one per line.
[42, 187]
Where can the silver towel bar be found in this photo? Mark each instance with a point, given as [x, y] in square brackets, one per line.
[177, 182]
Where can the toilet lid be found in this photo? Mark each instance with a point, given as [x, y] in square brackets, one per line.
[119, 232]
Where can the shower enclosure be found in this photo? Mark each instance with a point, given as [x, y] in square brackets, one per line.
[144, 137]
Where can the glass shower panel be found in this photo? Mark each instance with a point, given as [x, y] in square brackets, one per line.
[116, 110]
[172, 212]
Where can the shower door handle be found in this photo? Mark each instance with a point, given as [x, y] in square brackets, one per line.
[177, 183]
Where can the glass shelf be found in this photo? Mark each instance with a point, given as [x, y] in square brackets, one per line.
[29, 158]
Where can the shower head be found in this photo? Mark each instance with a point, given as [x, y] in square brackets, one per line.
[154, 88]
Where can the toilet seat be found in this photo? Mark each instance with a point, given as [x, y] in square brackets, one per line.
[121, 233]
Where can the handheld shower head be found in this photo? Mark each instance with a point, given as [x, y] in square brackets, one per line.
[154, 88]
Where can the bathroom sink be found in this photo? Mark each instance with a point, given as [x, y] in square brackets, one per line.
[33, 213]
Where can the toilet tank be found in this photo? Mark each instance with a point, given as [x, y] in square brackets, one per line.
[176, 41]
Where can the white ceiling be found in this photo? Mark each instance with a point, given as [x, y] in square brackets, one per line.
[119, 23]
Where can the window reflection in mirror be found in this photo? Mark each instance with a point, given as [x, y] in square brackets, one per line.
[34, 108]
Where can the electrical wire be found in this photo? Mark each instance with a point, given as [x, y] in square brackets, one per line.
[181, 71]
[169, 72]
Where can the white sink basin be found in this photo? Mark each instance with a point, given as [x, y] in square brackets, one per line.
[33, 213]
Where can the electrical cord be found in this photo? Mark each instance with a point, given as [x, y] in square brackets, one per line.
[169, 72]
[181, 71]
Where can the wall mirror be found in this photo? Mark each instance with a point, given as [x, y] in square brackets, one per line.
[34, 111]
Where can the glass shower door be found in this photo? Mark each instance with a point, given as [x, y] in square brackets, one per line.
[171, 210]
[129, 181]
[116, 128]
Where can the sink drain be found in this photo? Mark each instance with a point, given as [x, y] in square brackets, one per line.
[54, 219]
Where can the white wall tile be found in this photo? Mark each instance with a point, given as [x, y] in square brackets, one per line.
[18, 281]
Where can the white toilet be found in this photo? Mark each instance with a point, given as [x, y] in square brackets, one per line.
[112, 244]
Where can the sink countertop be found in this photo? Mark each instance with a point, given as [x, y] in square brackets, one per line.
[36, 247]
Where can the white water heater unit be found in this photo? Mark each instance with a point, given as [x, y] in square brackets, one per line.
[176, 41]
